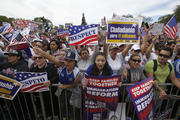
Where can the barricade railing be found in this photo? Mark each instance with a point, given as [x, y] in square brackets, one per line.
[59, 105]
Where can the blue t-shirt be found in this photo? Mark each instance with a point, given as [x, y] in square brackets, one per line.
[68, 78]
[90, 68]
[177, 68]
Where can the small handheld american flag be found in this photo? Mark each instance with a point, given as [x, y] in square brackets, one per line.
[32, 82]
[170, 29]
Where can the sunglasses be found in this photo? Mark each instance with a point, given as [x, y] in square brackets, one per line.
[162, 55]
[136, 60]
[38, 58]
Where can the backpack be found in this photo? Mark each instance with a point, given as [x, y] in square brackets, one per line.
[155, 68]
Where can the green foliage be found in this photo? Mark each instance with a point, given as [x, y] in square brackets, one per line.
[164, 19]
[6, 19]
[41, 20]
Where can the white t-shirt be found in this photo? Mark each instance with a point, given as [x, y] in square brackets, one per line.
[152, 56]
[116, 64]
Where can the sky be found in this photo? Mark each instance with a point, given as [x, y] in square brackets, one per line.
[70, 11]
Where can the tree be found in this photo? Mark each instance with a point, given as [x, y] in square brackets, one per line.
[43, 22]
[164, 19]
[177, 13]
[6, 19]
[83, 20]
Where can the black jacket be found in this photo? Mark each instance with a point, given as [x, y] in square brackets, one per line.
[51, 70]
[9, 69]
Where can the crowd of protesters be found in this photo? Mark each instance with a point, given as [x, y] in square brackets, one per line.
[66, 65]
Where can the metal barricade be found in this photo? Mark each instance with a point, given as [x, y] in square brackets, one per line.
[58, 105]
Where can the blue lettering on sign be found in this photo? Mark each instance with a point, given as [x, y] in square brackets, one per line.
[83, 35]
[31, 82]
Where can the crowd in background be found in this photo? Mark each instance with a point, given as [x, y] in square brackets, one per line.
[66, 65]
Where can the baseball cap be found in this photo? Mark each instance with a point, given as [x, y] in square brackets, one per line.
[70, 55]
[136, 47]
[13, 52]
[113, 46]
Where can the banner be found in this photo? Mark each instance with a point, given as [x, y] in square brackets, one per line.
[67, 25]
[100, 95]
[62, 33]
[32, 82]
[9, 87]
[83, 35]
[141, 95]
[124, 30]
[5, 31]
[20, 23]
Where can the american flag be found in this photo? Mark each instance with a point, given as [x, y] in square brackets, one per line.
[170, 29]
[5, 31]
[62, 33]
[8, 27]
[83, 34]
[32, 82]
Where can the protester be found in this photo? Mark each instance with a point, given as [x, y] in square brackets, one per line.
[161, 72]
[15, 63]
[68, 78]
[54, 46]
[135, 73]
[115, 59]
[43, 66]
[163, 69]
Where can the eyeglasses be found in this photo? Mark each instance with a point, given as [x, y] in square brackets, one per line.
[162, 55]
[137, 51]
[136, 60]
[38, 58]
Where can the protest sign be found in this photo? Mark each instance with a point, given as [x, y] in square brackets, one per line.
[6, 31]
[124, 30]
[32, 82]
[62, 33]
[9, 87]
[101, 94]
[141, 95]
[156, 29]
[20, 23]
[83, 35]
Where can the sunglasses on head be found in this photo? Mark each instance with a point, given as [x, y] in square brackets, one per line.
[38, 58]
[136, 60]
[162, 55]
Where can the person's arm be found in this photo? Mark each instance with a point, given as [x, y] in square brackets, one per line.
[149, 69]
[143, 45]
[162, 93]
[46, 55]
[96, 49]
[175, 81]
[73, 48]
[125, 51]
[149, 49]
[105, 46]
[65, 86]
